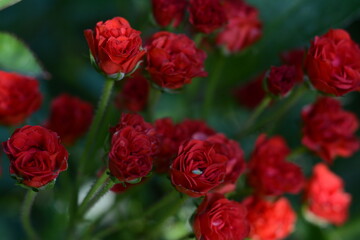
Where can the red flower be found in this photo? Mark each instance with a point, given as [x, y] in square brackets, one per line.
[269, 172]
[235, 164]
[243, 28]
[134, 94]
[168, 12]
[252, 93]
[115, 46]
[206, 15]
[329, 130]
[70, 117]
[194, 129]
[282, 79]
[19, 97]
[36, 155]
[269, 220]
[333, 63]
[173, 60]
[294, 57]
[198, 168]
[221, 219]
[325, 196]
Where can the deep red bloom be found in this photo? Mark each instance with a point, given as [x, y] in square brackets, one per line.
[168, 12]
[70, 117]
[198, 168]
[325, 197]
[282, 79]
[252, 93]
[328, 130]
[115, 46]
[235, 164]
[295, 57]
[173, 60]
[207, 15]
[269, 172]
[19, 97]
[194, 129]
[36, 155]
[221, 219]
[269, 220]
[333, 63]
[243, 28]
[134, 94]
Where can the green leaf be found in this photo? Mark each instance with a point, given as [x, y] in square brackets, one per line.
[15, 56]
[7, 3]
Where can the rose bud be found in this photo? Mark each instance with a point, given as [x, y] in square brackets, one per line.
[243, 28]
[134, 94]
[328, 130]
[269, 220]
[198, 168]
[325, 198]
[36, 156]
[70, 117]
[251, 94]
[235, 164]
[173, 60]
[115, 47]
[221, 219]
[19, 97]
[269, 172]
[333, 63]
[168, 12]
[282, 79]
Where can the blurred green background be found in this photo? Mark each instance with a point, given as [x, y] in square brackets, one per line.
[53, 30]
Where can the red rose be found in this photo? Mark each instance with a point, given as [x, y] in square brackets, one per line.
[218, 218]
[294, 57]
[235, 164]
[282, 79]
[134, 94]
[333, 63]
[115, 46]
[19, 97]
[269, 220]
[252, 93]
[168, 12]
[194, 129]
[36, 155]
[269, 172]
[206, 15]
[173, 60]
[243, 27]
[130, 154]
[198, 168]
[325, 197]
[70, 117]
[328, 130]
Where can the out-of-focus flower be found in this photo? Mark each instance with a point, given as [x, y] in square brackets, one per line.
[168, 12]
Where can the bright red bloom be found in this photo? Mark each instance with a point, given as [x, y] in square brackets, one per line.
[168, 12]
[134, 94]
[198, 168]
[243, 28]
[115, 46]
[221, 219]
[36, 155]
[235, 164]
[269, 220]
[333, 63]
[252, 93]
[19, 97]
[325, 196]
[328, 130]
[173, 60]
[269, 172]
[282, 79]
[207, 15]
[70, 117]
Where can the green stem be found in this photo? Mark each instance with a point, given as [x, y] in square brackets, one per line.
[198, 38]
[212, 84]
[155, 95]
[296, 152]
[25, 215]
[259, 109]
